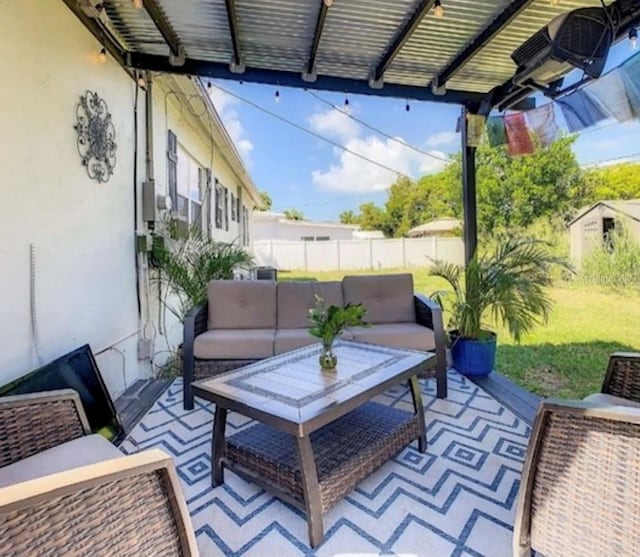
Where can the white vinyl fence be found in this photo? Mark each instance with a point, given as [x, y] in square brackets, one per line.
[353, 255]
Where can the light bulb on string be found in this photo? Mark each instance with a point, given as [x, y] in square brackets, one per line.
[137, 4]
[438, 10]
[407, 107]
[328, 3]
[633, 38]
[345, 107]
[208, 85]
[276, 96]
[102, 55]
[141, 81]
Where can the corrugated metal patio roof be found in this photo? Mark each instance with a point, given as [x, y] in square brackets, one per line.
[383, 47]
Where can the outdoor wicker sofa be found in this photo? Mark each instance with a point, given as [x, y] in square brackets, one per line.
[65, 491]
[246, 321]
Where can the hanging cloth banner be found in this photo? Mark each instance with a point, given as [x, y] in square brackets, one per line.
[581, 111]
[610, 93]
[475, 129]
[518, 138]
[542, 122]
[496, 132]
[630, 73]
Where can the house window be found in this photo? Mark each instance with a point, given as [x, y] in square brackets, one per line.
[233, 207]
[322, 238]
[218, 204]
[307, 238]
[189, 191]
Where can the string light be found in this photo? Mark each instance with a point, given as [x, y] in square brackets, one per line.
[137, 4]
[407, 106]
[345, 108]
[102, 55]
[276, 96]
[328, 3]
[208, 85]
[438, 10]
[141, 81]
[633, 38]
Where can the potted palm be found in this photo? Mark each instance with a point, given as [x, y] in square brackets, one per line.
[508, 286]
[328, 322]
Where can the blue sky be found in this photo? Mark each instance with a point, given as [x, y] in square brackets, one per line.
[303, 172]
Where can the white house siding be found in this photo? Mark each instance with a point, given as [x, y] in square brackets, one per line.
[82, 231]
[273, 226]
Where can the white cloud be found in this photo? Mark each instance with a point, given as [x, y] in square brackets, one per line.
[334, 123]
[442, 138]
[355, 174]
[224, 104]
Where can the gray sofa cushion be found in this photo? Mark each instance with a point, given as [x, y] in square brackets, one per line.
[290, 339]
[399, 335]
[234, 344]
[387, 298]
[73, 454]
[242, 304]
[295, 299]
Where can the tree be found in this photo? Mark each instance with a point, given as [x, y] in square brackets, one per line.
[620, 181]
[373, 217]
[293, 214]
[265, 202]
[349, 217]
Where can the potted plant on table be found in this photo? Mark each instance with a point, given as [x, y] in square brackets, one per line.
[329, 322]
[508, 285]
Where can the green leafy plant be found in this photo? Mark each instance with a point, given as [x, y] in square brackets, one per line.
[509, 285]
[329, 321]
[187, 263]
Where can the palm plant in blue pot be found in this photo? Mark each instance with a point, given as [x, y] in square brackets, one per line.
[508, 286]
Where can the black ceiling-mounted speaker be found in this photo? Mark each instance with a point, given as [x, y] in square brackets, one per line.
[578, 39]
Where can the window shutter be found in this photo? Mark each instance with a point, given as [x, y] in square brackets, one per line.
[206, 201]
[226, 208]
[172, 166]
[218, 205]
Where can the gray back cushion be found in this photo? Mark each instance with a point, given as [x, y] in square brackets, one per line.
[295, 299]
[387, 298]
[242, 304]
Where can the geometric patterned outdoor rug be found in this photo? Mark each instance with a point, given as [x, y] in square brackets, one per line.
[458, 499]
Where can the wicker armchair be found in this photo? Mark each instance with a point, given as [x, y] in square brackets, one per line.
[126, 506]
[579, 493]
[623, 376]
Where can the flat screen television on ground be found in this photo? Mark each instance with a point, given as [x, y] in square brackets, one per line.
[76, 370]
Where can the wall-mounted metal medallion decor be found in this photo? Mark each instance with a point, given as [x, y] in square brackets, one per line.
[96, 137]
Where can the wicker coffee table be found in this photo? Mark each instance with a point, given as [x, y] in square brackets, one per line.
[318, 432]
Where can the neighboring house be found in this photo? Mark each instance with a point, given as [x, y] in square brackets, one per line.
[70, 271]
[592, 226]
[274, 226]
[447, 226]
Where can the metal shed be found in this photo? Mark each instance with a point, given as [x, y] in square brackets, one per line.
[401, 48]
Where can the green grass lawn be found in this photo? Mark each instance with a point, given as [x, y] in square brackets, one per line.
[565, 358]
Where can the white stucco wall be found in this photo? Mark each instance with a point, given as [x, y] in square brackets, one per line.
[82, 231]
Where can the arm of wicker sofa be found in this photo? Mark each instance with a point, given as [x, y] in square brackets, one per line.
[623, 376]
[35, 422]
[429, 314]
[195, 323]
[581, 455]
[68, 511]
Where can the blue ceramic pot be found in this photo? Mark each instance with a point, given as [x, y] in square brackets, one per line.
[473, 357]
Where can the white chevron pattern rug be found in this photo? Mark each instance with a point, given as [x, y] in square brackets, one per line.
[456, 500]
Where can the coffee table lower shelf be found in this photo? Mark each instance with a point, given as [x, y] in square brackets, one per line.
[345, 452]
